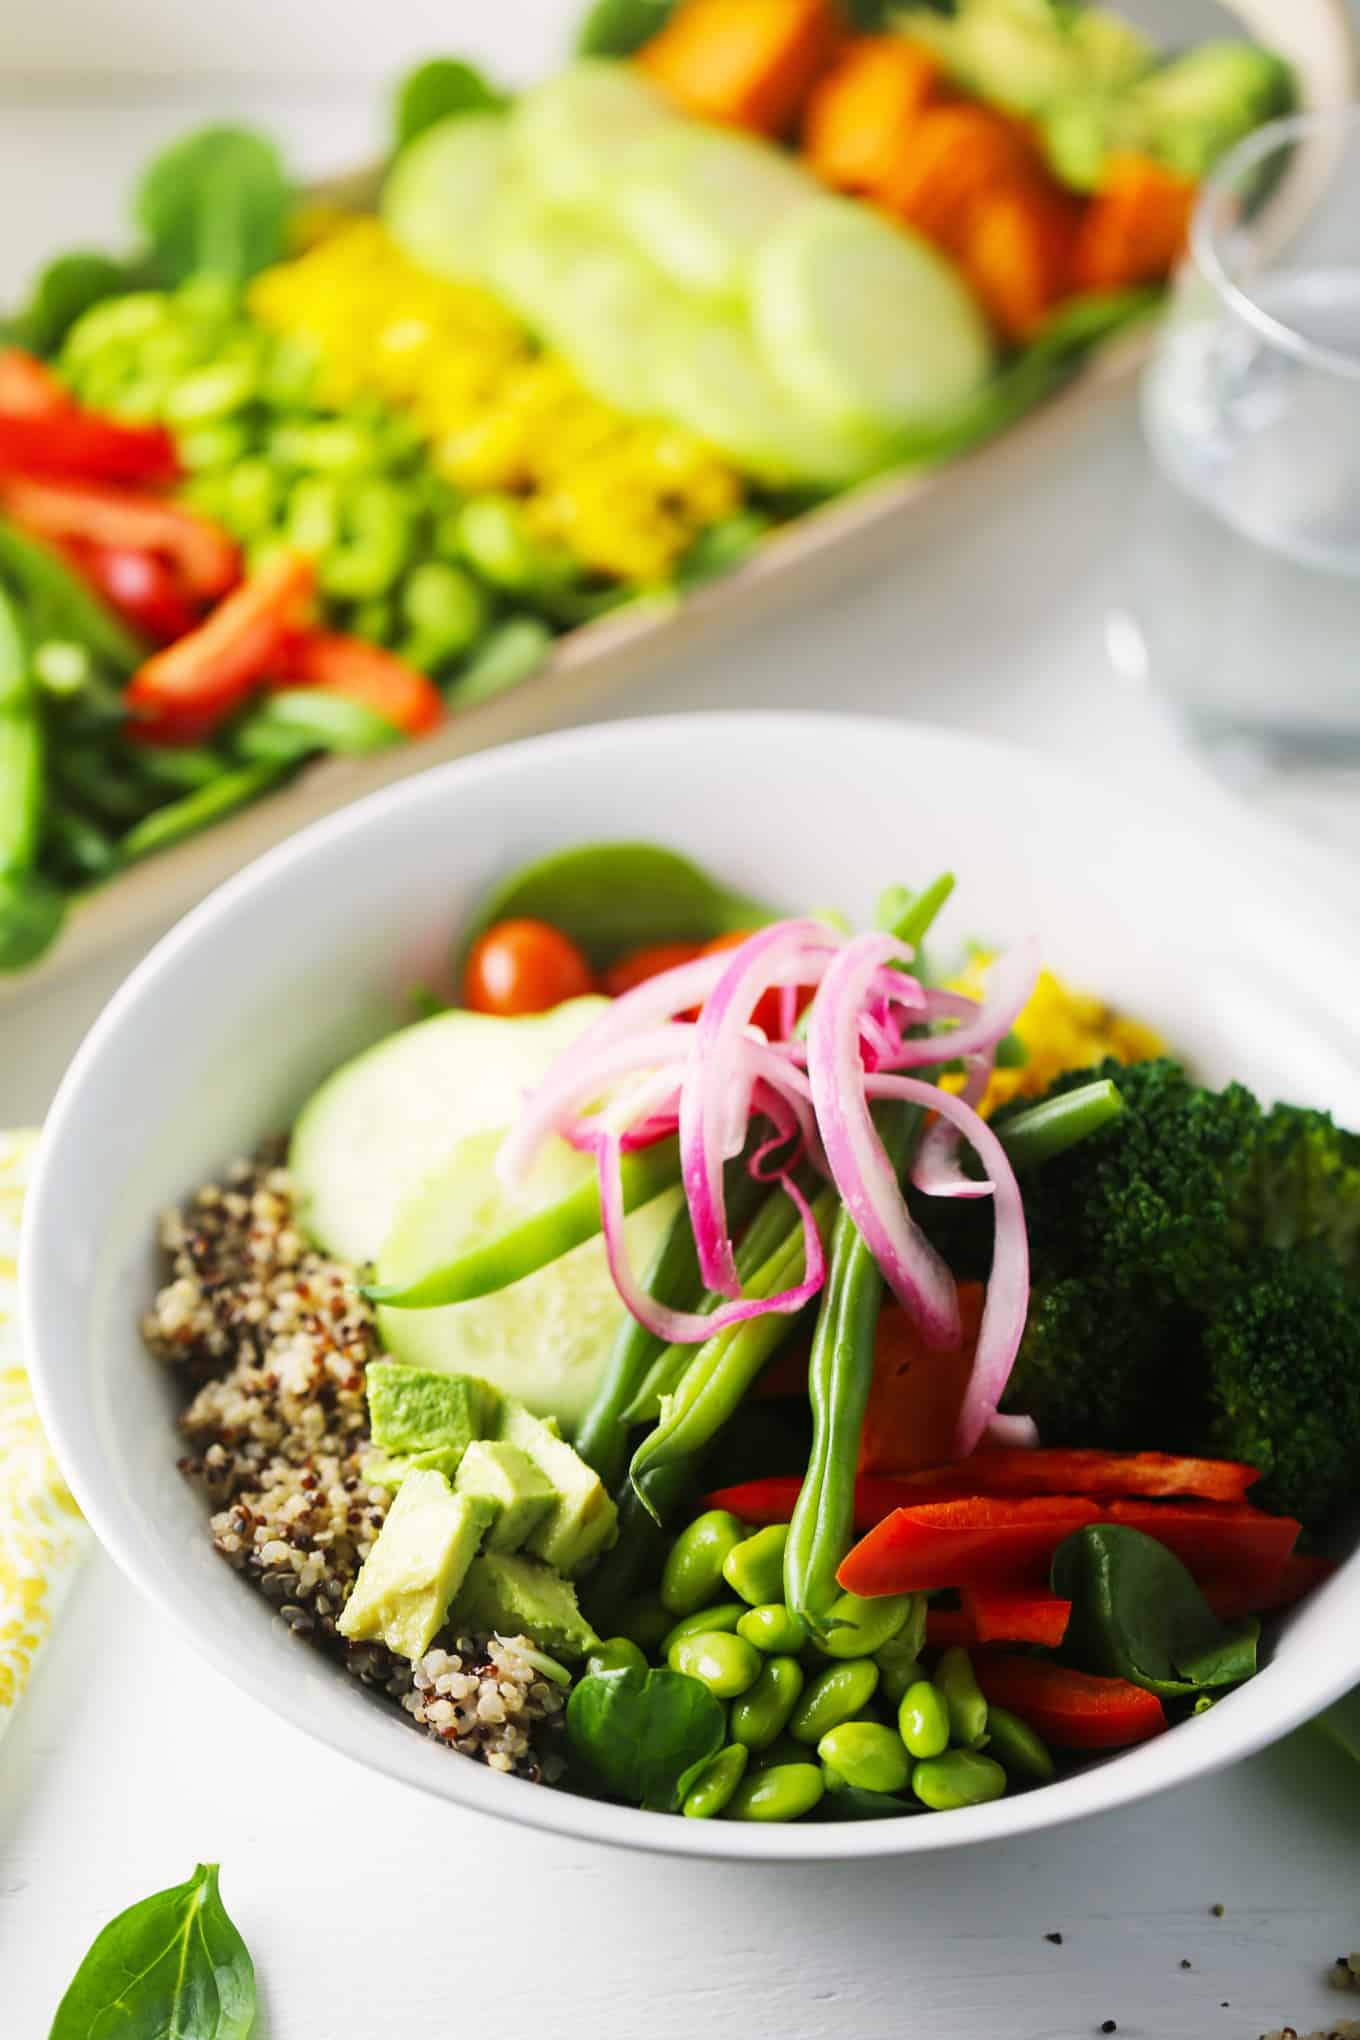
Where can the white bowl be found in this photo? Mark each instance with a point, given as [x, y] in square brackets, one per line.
[218, 1036]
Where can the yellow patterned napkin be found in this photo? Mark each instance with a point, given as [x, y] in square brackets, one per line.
[42, 1538]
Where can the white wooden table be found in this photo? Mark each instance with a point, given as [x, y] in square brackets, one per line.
[373, 1914]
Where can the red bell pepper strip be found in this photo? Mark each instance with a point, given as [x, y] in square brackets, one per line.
[1059, 1470]
[956, 1544]
[916, 1394]
[28, 388]
[205, 559]
[141, 586]
[80, 446]
[362, 673]
[1300, 1573]
[1218, 1542]
[1072, 1710]
[948, 1627]
[181, 693]
[1016, 1615]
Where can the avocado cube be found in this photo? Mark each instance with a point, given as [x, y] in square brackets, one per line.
[583, 1521]
[424, 1419]
[417, 1565]
[507, 1478]
[510, 1595]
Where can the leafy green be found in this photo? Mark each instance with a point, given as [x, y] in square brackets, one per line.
[615, 28]
[170, 1968]
[1138, 1615]
[614, 897]
[68, 286]
[214, 203]
[643, 1736]
[438, 89]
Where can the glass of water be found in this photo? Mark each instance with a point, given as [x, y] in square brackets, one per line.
[1244, 585]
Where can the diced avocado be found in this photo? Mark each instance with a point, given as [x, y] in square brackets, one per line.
[511, 1595]
[418, 1564]
[1197, 105]
[583, 1521]
[424, 1419]
[506, 1477]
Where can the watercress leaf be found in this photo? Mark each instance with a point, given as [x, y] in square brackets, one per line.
[614, 897]
[616, 28]
[214, 203]
[1137, 1614]
[170, 1968]
[438, 89]
[642, 1736]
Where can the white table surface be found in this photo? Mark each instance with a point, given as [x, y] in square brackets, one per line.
[371, 1913]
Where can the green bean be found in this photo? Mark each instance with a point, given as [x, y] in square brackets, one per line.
[923, 1720]
[958, 1778]
[773, 1629]
[1042, 1131]
[867, 1756]
[67, 607]
[181, 818]
[762, 1712]
[636, 1559]
[21, 788]
[615, 1654]
[551, 1232]
[725, 1663]
[309, 719]
[32, 910]
[755, 1566]
[445, 611]
[78, 845]
[724, 1615]
[835, 1695]
[1016, 1747]
[16, 690]
[646, 1623]
[511, 650]
[181, 767]
[693, 1572]
[103, 782]
[781, 1792]
[859, 1628]
[963, 1697]
[715, 1784]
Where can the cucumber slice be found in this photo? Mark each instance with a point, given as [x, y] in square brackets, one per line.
[699, 202]
[437, 200]
[862, 323]
[383, 1121]
[571, 136]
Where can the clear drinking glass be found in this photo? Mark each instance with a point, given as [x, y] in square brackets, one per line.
[1244, 583]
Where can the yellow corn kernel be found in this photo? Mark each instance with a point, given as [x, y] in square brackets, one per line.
[1062, 1029]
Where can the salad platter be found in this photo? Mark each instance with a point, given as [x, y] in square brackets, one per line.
[308, 493]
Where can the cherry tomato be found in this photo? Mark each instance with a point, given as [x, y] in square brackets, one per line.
[767, 1012]
[141, 586]
[641, 964]
[524, 967]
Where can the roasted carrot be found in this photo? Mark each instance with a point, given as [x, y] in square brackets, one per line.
[950, 159]
[746, 63]
[1134, 228]
[1017, 253]
[859, 114]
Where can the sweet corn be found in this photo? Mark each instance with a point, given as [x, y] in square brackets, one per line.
[625, 497]
[1062, 1029]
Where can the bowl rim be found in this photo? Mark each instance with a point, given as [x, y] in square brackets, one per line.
[1128, 1776]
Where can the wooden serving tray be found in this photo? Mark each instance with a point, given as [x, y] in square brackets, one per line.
[868, 526]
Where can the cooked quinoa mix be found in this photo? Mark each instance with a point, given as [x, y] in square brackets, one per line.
[272, 1339]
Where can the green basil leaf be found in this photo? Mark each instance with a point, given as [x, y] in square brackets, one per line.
[436, 90]
[615, 897]
[1138, 1615]
[616, 28]
[642, 1736]
[171, 1968]
[214, 204]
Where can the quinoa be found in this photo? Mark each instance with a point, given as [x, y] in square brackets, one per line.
[273, 1339]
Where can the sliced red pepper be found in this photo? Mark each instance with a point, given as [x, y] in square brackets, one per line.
[1072, 1710]
[948, 1627]
[956, 1544]
[141, 586]
[1016, 1615]
[183, 692]
[28, 388]
[1300, 1573]
[1216, 1541]
[1058, 1470]
[80, 446]
[205, 559]
[365, 674]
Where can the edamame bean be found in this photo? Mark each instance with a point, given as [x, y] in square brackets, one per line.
[1017, 1748]
[445, 610]
[511, 650]
[838, 1694]
[211, 393]
[369, 560]
[693, 1573]
[616, 1654]
[899, 1667]
[723, 1615]
[763, 1710]
[773, 1628]
[726, 1664]
[963, 1697]
[783, 1750]
[858, 1628]
[646, 1622]
[755, 1567]
[958, 1778]
[716, 1783]
[923, 1720]
[782, 1792]
[866, 1755]
[494, 535]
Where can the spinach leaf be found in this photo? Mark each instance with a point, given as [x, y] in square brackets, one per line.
[852, 1802]
[615, 28]
[214, 203]
[438, 89]
[614, 897]
[1138, 1615]
[65, 288]
[171, 1968]
[643, 1736]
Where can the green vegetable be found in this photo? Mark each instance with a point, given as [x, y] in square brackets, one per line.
[1020, 1752]
[898, 1664]
[715, 1784]
[646, 1623]
[838, 1694]
[32, 910]
[755, 1565]
[440, 197]
[867, 1756]
[438, 89]
[861, 1628]
[65, 289]
[773, 1628]
[60, 605]
[781, 1792]
[958, 1778]
[694, 1569]
[642, 1737]
[923, 1719]
[616, 28]
[297, 720]
[1138, 1615]
[724, 1615]
[511, 650]
[181, 818]
[1039, 1133]
[171, 1968]
[963, 1698]
[615, 1654]
[720, 1660]
[848, 1802]
[214, 204]
[720, 548]
[763, 1710]
[446, 611]
[614, 897]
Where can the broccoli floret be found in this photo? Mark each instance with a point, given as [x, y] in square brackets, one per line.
[1307, 1188]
